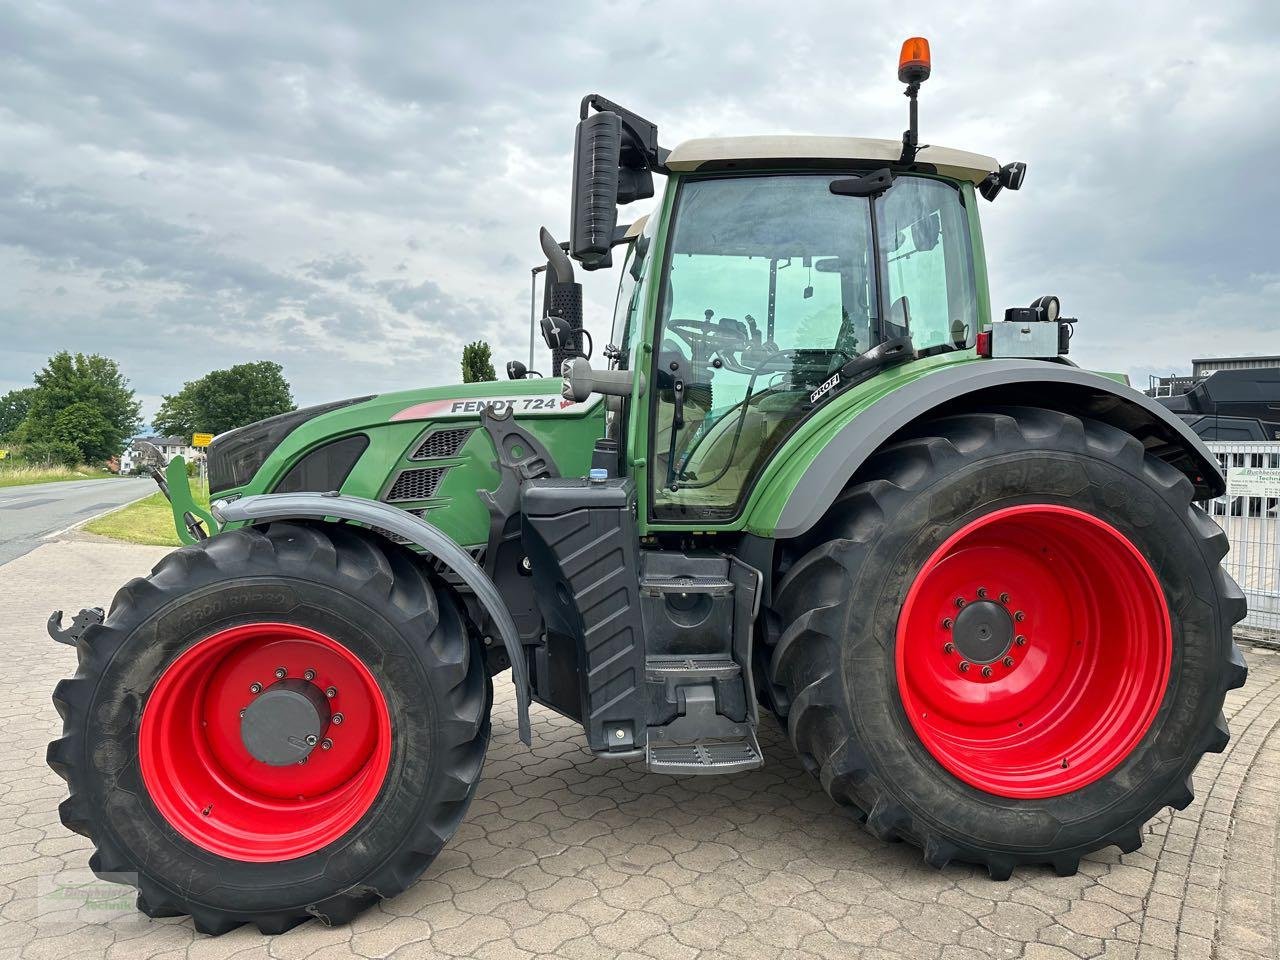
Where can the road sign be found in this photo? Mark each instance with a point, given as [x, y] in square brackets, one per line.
[201, 439]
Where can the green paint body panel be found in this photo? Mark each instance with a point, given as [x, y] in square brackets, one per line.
[568, 433]
[794, 458]
[182, 502]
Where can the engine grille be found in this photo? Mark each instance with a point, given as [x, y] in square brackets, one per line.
[441, 443]
[418, 484]
[395, 537]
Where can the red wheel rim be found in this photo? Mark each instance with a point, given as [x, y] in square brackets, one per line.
[214, 792]
[1086, 663]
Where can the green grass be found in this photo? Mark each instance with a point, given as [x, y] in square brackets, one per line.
[17, 476]
[148, 521]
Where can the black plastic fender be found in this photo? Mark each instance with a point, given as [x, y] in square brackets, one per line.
[319, 506]
[956, 389]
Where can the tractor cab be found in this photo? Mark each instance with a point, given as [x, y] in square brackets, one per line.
[776, 272]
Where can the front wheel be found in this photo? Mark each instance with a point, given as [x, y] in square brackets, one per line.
[1010, 641]
[273, 726]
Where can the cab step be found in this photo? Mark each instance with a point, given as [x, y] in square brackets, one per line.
[702, 740]
[690, 669]
[705, 756]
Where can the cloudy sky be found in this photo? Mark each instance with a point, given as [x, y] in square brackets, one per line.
[354, 190]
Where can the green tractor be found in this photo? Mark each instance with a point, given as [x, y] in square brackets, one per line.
[810, 473]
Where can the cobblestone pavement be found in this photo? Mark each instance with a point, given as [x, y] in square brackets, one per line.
[566, 856]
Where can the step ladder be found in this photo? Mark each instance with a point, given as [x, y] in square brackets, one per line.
[700, 740]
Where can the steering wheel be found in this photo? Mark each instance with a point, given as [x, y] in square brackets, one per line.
[735, 344]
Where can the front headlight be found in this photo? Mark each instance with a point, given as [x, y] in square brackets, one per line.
[235, 456]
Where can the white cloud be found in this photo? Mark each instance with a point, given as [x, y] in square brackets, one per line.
[356, 189]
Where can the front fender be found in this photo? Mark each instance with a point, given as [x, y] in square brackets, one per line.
[321, 506]
[984, 383]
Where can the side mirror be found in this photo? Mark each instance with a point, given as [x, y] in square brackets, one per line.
[597, 148]
[614, 155]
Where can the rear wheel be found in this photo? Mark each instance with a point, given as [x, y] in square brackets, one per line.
[1009, 641]
[273, 726]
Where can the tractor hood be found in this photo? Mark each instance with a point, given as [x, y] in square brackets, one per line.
[423, 450]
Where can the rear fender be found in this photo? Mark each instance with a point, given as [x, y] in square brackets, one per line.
[326, 506]
[983, 384]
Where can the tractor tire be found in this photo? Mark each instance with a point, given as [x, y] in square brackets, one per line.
[192, 728]
[1009, 640]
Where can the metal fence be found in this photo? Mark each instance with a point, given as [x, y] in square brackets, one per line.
[1250, 515]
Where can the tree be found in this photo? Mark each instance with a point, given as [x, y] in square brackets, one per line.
[225, 399]
[477, 363]
[83, 402]
[49, 454]
[13, 408]
[83, 426]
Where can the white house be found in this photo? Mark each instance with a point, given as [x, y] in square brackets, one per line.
[141, 449]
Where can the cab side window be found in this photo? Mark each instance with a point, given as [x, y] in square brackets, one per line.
[926, 262]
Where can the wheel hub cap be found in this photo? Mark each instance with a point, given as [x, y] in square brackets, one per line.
[284, 724]
[983, 631]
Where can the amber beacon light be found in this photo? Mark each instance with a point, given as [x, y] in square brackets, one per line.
[913, 70]
[913, 62]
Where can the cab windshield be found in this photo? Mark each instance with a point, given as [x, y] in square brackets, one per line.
[772, 283]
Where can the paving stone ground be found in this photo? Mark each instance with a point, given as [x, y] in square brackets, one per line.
[566, 856]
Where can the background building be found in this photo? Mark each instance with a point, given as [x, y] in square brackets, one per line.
[143, 450]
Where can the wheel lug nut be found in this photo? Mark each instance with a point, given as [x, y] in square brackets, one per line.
[960, 601]
[1004, 598]
[281, 673]
[1019, 616]
[1020, 640]
[255, 687]
[326, 744]
[338, 718]
[312, 739]
[331, 692]
[946, 623]
[1007, 661]
[964, 666]
[309, 676]
[986, 671]
[982, 593]
[241, 714]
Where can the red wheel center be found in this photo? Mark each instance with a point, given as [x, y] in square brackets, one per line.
[1033, 651]
[265, 742]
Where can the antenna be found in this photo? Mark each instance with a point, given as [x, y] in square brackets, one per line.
[913, 70]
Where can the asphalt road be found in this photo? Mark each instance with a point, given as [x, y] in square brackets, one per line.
[29, 513]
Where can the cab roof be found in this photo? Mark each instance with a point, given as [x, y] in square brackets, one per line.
[719, 153]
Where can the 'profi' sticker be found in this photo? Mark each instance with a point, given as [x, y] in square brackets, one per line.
[541, 405]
